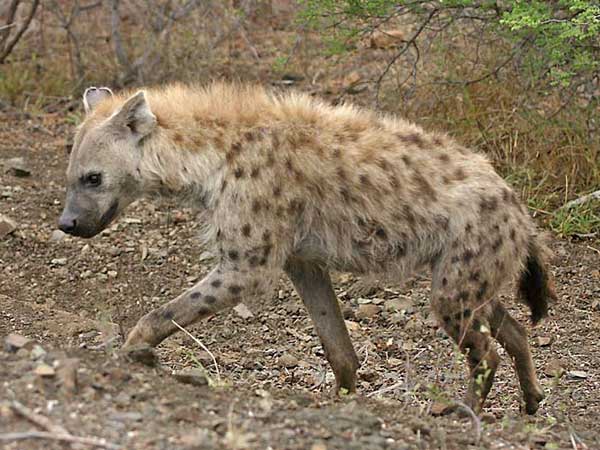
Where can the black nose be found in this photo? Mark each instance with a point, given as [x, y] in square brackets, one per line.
[67, 224]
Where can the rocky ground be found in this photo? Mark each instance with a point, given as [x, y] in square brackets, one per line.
[69, 301]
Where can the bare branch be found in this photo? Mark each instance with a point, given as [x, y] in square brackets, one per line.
[9, 43]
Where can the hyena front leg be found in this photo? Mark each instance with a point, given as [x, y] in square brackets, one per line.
[313, 285]
[220, 289]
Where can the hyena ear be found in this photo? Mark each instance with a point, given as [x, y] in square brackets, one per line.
[136, 115]
[93, 95]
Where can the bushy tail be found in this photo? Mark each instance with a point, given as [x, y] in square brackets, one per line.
[536, 286]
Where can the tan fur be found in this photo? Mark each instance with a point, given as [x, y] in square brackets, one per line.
[284, 178]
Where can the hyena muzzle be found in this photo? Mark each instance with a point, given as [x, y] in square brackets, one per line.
[286, 183]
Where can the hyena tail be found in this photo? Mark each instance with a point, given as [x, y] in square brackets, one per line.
[536, 286]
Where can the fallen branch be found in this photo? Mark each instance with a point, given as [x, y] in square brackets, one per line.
[94, 442]
[53, 431]
[578, 201]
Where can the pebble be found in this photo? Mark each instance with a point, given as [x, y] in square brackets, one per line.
[7, 225]
[37, 352]
[57, 236]
[141, 353]
[243, 311]
[17, 167]
[59, 261]
[367, 311]
[288, 361]
[195, 377]
[44, 370]
[14, 342]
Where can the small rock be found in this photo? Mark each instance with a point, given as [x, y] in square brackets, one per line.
[57, 236]
[37, 352]
[17, 167]
[577, 374]
[243, 311]
[318, 446]
[195, 377]
[44, 370]
[364, 301]
[205, 256]
[15, 342]
[440, 408]
[7, 225]
[554, 368]
[66, 372]
[351, 325]
[398, 304]
[544, 341]
[367, 311]
[127, 417]
[59, 261]
[288, 361]
[141, 353]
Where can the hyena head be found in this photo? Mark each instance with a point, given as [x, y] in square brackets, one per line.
[103, 175]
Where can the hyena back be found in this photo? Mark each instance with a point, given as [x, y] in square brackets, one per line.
[288, 183]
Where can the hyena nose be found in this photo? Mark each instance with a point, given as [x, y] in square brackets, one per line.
[67, 224]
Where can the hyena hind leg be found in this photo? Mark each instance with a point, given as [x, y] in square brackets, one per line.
[467, 327]
[513, 337]
[313, 285]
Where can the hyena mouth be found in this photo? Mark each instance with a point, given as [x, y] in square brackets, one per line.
[109, 215]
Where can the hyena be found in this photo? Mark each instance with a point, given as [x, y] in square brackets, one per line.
[287, 183]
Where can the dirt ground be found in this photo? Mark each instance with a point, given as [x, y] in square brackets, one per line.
[75, 298]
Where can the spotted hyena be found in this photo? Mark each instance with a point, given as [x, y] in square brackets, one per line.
[289, 183]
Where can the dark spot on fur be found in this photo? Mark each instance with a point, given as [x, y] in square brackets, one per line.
[413, 139]
[424, 186]
[443, 222]
[443, 157]
[438, 141]
[216, 283]
[167, 314]
[364, 179]
[267, 250]
[475, 275]
[246, 229]
[277, 191]
[505, 195]
[407, 160]
[224, 185]
[383, 164]
[468, 256]
[249, 136]
[488, 204]
[253, 261]
[195, 295]
[512, 234]
[255, 172]
[345, 194]
[235, 289]
[462, 296]
[210, 299]
[446, 320]
[289, 165]
[239, 172]
[444, 281]
[482, 290]
[341, 174]
[178, 138]
[256, 205]
[454, 259]
[380, 233]
[266, 236]
[270, 160]
[337, 153]
[459, 174]
[469, 228]
[233, 255]
[463, 314]
[497, 244]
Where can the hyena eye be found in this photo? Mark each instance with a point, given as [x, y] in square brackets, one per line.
[93, 179]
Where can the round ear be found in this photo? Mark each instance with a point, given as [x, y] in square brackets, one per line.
[136, 115]
[93, 96]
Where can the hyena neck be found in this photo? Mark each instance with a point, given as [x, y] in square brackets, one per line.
[168, 170]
